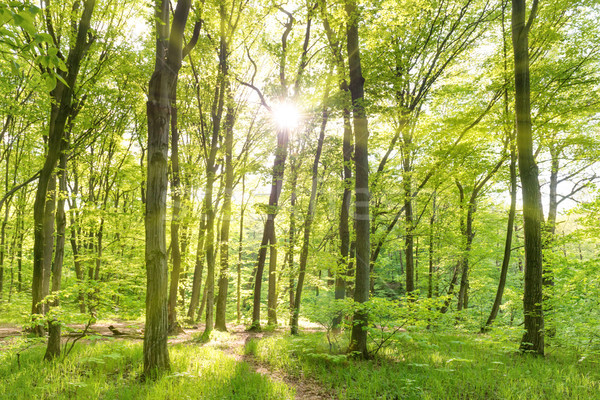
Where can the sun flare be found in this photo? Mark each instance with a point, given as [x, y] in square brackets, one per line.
[286, 115]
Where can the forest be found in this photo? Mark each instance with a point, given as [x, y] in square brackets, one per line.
[310, 199]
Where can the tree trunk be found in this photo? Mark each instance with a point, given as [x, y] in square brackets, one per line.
[198, 269]
[358, 341]
[176, 196]
[310, 213]
[533, 339]
[49, 215]
[269, 228]
[221, 312]
[508, 241]
[272, 292]
[161, 87]
[431, 248]
[61, 109]
[463, 291]
[3, 245]
[408, 217]
[292, 235]
[240, 248]
[54, 327]
[344, 227]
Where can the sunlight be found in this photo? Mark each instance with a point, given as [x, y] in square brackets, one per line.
[286, 115]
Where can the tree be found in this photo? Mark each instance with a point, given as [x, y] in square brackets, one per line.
[169, 55]
[62, 107]
[533, 338]
[358, 341]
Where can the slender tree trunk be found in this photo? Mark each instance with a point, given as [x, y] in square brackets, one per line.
[198, 269]
[431, 248]
[3, 246]
[175, 220]
[49, 215]
[463, 291]
[453, 281]
[209, 245]
[508, 241]
[309, 216]
[408, 217]
[221, 312]
[548, 239]
[533, 339]
[344, 227]
[209, 251]
[61, 109]
[292, 235]
[272, 292]
[54, 327]
[269, 229]
[358, 340]
[240, 249]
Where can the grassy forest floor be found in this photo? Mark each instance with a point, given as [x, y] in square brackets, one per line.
[275, 365]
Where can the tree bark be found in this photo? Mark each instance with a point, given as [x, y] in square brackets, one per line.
[533, 338]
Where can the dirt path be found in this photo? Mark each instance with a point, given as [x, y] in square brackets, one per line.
[306, 387]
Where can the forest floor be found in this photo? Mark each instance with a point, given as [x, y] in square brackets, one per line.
[232, 343]
[273, 365]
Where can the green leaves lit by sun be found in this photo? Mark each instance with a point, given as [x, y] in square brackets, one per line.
[286, 115]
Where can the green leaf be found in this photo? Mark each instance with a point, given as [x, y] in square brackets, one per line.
[50, 81]
[60, 78]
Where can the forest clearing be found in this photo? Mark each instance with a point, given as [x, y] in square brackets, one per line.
[309, 199]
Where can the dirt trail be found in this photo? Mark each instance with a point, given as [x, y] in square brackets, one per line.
[306, 387]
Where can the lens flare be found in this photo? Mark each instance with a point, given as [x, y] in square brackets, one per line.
[286, 115]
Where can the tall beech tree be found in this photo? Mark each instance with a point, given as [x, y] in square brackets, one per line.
[310, 214]
[169, 55]
[288, 92]
[533, 338]
[61, 108]
[358, 340]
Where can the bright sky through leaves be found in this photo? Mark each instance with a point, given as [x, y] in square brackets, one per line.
[286, 115]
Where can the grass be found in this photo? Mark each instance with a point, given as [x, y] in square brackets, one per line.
[111, 370]
[429, 366]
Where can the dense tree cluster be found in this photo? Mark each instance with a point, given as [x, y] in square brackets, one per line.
[254, 162]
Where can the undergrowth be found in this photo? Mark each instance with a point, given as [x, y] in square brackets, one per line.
[423, 365]
[112, 370]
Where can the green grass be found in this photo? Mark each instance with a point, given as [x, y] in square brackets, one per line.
[429, 366]
[111, 370]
